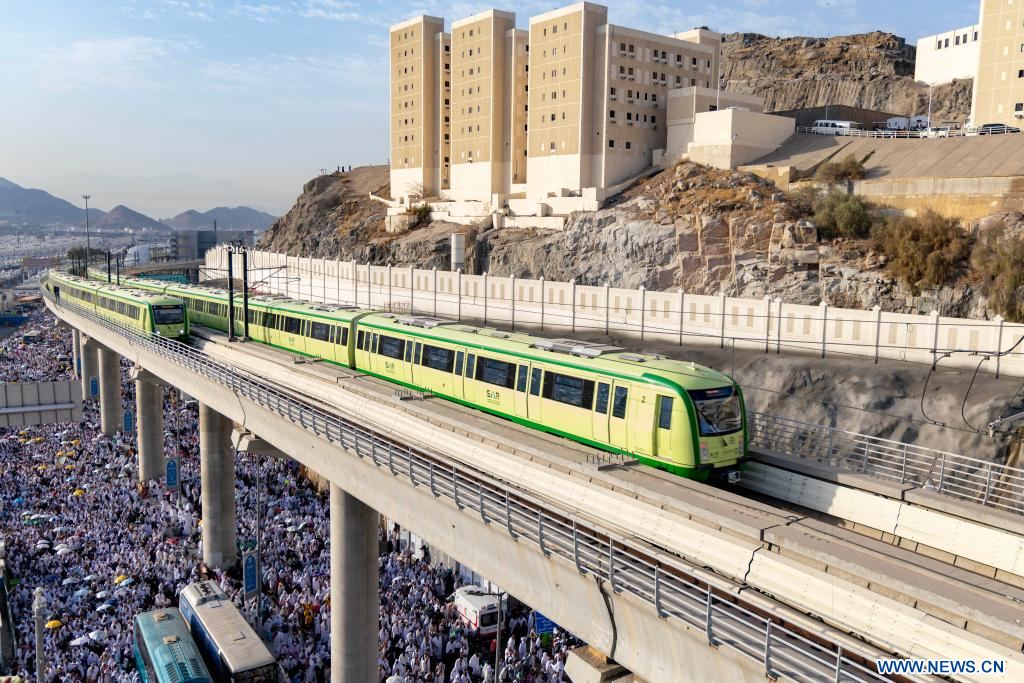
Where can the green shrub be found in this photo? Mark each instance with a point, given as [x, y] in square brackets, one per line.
[999, 260]
[422, 213]
[803, 199]
[847, 168]
[922, 251]
[841, 215]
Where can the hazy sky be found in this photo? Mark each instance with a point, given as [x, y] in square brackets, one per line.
[165, 105]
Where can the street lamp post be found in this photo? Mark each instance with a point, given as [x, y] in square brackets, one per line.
[39, 613]
[88, 245]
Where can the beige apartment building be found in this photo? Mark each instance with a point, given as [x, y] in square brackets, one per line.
[480, 111]
[489, 112]
[999, 86]
[443, 49]
[415, 110]
[598, 95]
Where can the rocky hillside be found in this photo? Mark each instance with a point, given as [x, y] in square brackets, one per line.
[123, 218]
[870, 70]
[331, 208]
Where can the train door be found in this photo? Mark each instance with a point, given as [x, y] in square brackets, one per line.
[618, 419]
[663, 428]
[457, 374]
[642, 421]
[522, 385]
[601, 412]
[533, 400]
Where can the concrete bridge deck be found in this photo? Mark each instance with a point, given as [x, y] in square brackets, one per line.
[978, 603]
[639, 534]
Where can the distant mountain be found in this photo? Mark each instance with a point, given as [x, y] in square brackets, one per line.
[238, 218]
[121, 218]
[24, 206]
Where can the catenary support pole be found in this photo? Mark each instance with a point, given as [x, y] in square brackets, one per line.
[110, 391]
[217, 461]
[354, 602]
[149, 407]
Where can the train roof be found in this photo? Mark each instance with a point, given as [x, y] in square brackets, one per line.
[119, 291]
[584, 355]
[227, 626]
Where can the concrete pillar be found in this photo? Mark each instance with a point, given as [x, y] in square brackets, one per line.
[354, 601]
[111, 412]
[217, 460]
[88, 350]
[149, 411]
[76, 353]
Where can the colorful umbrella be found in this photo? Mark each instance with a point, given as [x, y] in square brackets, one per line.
[120, 578]
[54, 623]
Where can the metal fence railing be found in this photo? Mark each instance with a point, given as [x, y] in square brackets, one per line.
[670, 589]
[934, 132]
[989, 483]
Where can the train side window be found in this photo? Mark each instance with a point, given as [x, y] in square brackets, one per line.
[359, 339]
[344, 336]
[333, 333]
[521, 382]
[496, 372]
[320, 331]
[619, 405]
[535, 382]
[602, 398]
[419, 353]
[458, 363]
[438, 358]
[665, 412]
[293, 325]
[408, 351]
[470, 365]
[573, 391]
[392, 347]
[373, 344]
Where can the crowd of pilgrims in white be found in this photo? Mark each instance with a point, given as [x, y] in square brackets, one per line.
[75, 521]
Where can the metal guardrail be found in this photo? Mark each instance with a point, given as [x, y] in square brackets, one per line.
[670, 590]
[913, 134]
[988, 483]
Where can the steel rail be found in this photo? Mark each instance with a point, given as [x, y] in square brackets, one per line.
[672, 590]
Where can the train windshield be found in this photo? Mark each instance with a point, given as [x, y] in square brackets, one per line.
[169, 315]
[718, 410]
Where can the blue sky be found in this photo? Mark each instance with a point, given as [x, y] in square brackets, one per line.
[165, 105]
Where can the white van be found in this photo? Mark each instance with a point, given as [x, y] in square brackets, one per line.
[829, 127]
[477, 609]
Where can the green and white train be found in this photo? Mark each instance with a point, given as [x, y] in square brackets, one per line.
[143, 309]
[678, 416]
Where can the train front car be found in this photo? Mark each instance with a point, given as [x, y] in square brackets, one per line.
[169, 316]
[702, 432]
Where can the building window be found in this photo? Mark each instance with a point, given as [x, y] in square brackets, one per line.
[1019, 107]
[945, 43]
[1020, 73]
[975, 35]
[957, 41]
[938, 45]
[611, 143]
[611, 114]
[629, 145]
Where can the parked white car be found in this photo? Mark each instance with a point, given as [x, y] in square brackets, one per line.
[936, 132]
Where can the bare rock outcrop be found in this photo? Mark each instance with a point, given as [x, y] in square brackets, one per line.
[870, 70]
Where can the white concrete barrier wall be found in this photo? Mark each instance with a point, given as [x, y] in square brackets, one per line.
[769, 325]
